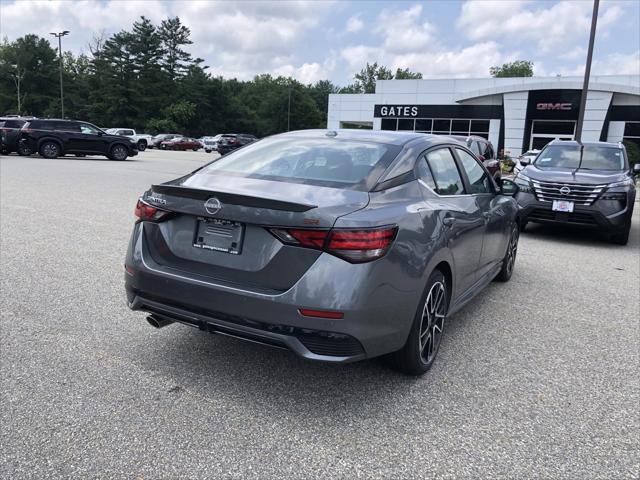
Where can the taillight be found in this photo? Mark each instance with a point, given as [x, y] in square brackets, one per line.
[149, 213]
[352, 245]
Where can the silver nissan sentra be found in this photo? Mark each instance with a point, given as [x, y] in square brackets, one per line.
[337, 245]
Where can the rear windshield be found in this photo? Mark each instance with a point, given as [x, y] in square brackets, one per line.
[12, 123]
[593, 158]
[323, 162]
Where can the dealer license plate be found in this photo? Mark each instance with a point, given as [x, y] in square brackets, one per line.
[562, 206]
[219, 235]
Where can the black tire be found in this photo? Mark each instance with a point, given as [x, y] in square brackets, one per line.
[419, 353]
[142, 145]
[50, 149]
[622, 237]
[24, 150]
[523, 225]
[118, 152]
[509, 260]
[196, 149]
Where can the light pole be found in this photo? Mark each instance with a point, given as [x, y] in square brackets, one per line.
[289, 111]
[17, 79]
[59, 35]
[587, 72]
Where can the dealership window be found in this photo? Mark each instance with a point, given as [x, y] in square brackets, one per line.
[389, 124]
[406, 124]
[440, 126]
[632, 133]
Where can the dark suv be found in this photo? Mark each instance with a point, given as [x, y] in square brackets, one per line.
[52, 138]
[230, 141]
[484, 151]
[9, 133]
[587, 185]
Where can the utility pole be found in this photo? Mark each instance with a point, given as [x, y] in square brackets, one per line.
[587, 72]
[289, 111]
[59, 36]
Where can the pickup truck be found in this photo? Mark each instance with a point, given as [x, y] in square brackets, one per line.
[142, 140]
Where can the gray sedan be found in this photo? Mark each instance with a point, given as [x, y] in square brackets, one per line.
[337, 245]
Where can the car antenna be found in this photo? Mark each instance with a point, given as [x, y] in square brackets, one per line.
[580, 162]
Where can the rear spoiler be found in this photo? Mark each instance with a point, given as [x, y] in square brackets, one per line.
[232, 198]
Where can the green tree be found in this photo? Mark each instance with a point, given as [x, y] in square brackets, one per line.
[406, 74]
[366, 78]
[174, 36]
[34, 62]
[519, 68]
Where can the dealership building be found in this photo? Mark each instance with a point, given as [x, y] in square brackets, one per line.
[516, 114]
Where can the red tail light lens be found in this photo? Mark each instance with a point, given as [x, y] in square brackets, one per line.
[149, 213]
[355, 246]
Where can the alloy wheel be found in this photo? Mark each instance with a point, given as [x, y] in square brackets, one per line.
[50, 150]
[119, 153]
[432, 322]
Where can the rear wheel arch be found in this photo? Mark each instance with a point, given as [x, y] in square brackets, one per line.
[445, 269]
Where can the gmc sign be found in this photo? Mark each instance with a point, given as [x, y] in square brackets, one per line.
[553, 106]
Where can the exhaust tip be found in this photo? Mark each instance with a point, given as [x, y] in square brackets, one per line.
[157, 322]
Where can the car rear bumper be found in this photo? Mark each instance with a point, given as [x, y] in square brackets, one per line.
[377, 315]
[602, 215]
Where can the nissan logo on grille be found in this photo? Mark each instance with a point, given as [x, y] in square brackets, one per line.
[212, 206]
[565, 190]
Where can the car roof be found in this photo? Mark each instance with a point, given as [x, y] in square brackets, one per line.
[573, 143]
[375, 136]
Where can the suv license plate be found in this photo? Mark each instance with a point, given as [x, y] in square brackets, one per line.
[562, 206]
[219, 235]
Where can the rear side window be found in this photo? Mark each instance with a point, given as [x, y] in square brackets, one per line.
[478, 179]
[445, 173]
[314, 161]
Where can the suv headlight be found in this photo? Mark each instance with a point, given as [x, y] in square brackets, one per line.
[523, 183]
[624, 183]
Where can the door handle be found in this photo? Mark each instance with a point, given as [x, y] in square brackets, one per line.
[448, 221]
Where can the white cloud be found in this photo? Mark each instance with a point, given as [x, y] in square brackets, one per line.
[354, 24]
[407, 40]
[559, 26]
[404, 31]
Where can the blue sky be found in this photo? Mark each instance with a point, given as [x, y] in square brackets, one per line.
[314, 40]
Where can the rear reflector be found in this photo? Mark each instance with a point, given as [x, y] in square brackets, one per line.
[353, 245]
[149, 213]
[307, 312]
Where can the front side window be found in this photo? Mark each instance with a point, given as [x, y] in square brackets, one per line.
[326, 162]
[478, 178]
[593, 157]
[88, 128]
[445, 172]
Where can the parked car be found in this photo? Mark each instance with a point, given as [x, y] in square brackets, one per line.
[10, 133]
[485, 152]
[162, 137]
[530, 156]
[142, 139]
[52, 138]
[230, 141]
[585, 185]
[181, 143]
[339, 246]
[210, 144]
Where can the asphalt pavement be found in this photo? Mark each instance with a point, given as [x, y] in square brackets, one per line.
[536, 378]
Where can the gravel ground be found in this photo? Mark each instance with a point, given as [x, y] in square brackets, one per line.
[537, 378]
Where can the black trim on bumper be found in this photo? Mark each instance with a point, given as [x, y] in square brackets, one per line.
[307, 343]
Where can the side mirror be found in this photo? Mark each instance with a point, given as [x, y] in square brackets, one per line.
[636, 169]
[524, 161]
[508, 187]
